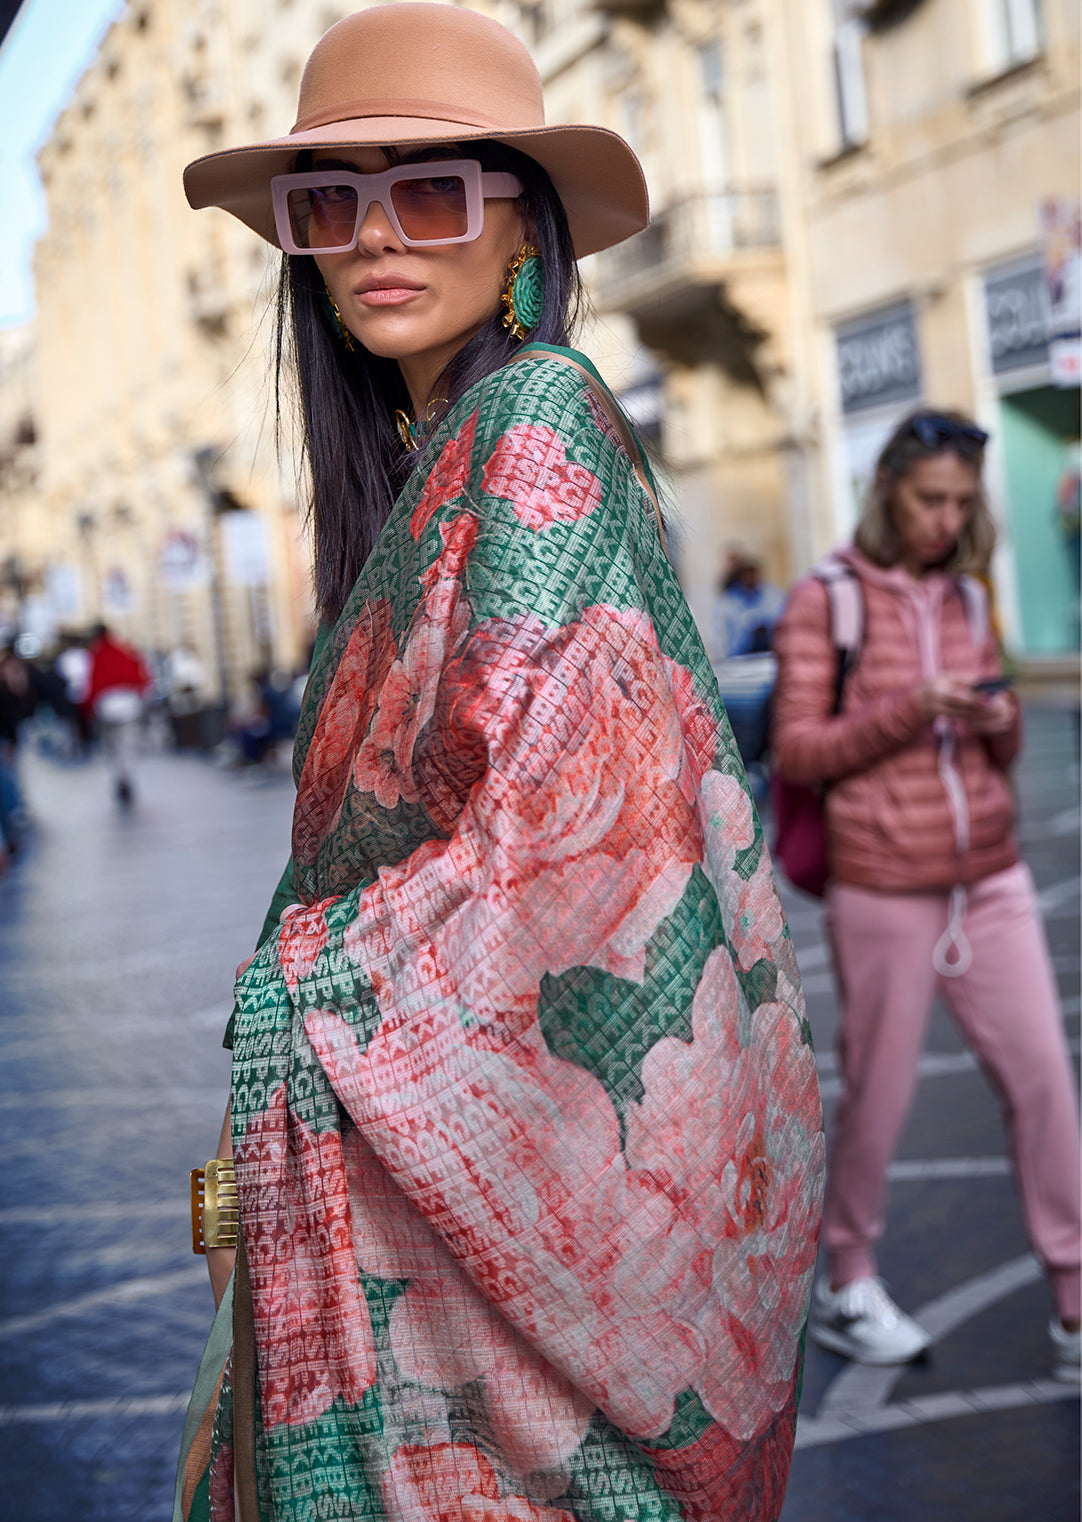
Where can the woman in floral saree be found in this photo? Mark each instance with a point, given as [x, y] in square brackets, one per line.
[524, 1113]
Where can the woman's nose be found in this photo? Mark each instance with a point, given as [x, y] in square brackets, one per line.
[377, 231]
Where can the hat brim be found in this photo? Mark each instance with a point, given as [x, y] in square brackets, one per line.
[595, 173]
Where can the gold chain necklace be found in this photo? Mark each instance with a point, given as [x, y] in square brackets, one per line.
[413, 435]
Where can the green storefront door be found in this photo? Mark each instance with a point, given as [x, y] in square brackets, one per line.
[1040, 432]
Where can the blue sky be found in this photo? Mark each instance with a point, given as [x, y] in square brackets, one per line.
[41, 60]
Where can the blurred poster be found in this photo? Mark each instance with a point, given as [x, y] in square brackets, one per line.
[182, 564]
[1060, 219]
[116, 590]
[63, 591]
[245, 542]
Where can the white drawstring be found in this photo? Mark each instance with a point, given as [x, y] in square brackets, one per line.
[954, 936]
[923, 615]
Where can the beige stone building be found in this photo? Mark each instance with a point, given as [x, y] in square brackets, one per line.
[936, 210]
[19, 522]
[169, 509]
[845, 201]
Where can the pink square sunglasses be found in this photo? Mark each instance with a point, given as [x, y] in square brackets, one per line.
[436, 201]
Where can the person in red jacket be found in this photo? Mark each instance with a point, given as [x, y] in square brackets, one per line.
[117, 683]
[927, 892]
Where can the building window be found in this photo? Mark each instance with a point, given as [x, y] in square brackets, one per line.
[713, 119]
[850, 89]
[1014, 31]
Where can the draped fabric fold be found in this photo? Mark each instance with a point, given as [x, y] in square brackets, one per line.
[525, 1112]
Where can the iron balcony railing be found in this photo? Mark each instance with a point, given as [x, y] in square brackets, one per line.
[690, 241]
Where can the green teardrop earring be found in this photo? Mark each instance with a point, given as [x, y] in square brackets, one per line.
[524, 294]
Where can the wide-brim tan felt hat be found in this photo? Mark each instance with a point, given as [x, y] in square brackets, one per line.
[418, 73]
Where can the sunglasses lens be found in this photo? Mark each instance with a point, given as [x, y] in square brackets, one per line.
[323, 216]
[935, 432]
[432, 210]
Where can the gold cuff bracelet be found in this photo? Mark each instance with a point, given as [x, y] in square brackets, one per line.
[215, 1210]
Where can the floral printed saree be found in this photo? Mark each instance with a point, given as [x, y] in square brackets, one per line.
[525, 1113]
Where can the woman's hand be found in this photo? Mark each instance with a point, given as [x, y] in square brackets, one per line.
[220, 1260]
[995, 713]
[949, 697]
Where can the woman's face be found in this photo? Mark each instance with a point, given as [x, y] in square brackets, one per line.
[418, 306]
[930, 506]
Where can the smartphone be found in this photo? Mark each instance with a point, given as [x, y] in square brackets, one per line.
[993, 684]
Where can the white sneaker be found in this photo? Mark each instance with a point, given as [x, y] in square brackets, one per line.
[862, 1322]
[1066, 1353]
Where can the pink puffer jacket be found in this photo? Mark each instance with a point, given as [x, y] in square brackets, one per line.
[909, 806]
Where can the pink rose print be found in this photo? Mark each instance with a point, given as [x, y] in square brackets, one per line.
[580, 1256]
[311, 1319]
[751, 909]
[743, 1160]
[444, 1332]
[728, 823]
[302, 937]
[384, 764]
[447, 478]
[529, 468]
[718, 1476]
[582, 805]
[453, 1482]
[344, 717]
[758, 927]
[697, 724]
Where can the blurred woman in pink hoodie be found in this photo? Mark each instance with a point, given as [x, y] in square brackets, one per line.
[927, 891]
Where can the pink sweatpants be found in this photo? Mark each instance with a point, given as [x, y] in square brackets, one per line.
[1007, 1008]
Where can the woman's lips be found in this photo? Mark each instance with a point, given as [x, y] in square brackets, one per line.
[387, 291]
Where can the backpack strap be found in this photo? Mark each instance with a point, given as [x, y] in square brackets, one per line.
[846, 618]
[975, 599]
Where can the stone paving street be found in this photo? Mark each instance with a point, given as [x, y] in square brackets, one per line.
[118, 937]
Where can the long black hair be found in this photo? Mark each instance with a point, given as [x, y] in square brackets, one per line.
[355, 455]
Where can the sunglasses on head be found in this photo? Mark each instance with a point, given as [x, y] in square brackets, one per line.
[934, 431]
[442, 201]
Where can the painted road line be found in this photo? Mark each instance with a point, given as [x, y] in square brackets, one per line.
[74, 1215]
[95, 1410]
[1056, 895]
[860, 1390]
[815, 1432]
[931, 1065]
[948, 1168]
[115, 1294]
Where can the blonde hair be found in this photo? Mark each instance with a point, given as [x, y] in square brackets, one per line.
[921, 436]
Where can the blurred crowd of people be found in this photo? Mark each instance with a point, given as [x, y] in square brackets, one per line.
[94, 693]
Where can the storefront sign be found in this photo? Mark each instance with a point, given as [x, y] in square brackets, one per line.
[182, 564]
[1017, 316]
[1060, 219]
[245, 541]
[879, 359]
[116, 590]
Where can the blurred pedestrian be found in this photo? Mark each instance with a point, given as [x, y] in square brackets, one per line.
[18, 699]
[72, 665]
[742, 622]
[270, 718]
[912, 743]
[117, 683]
[524, 1121]
[745, 610]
